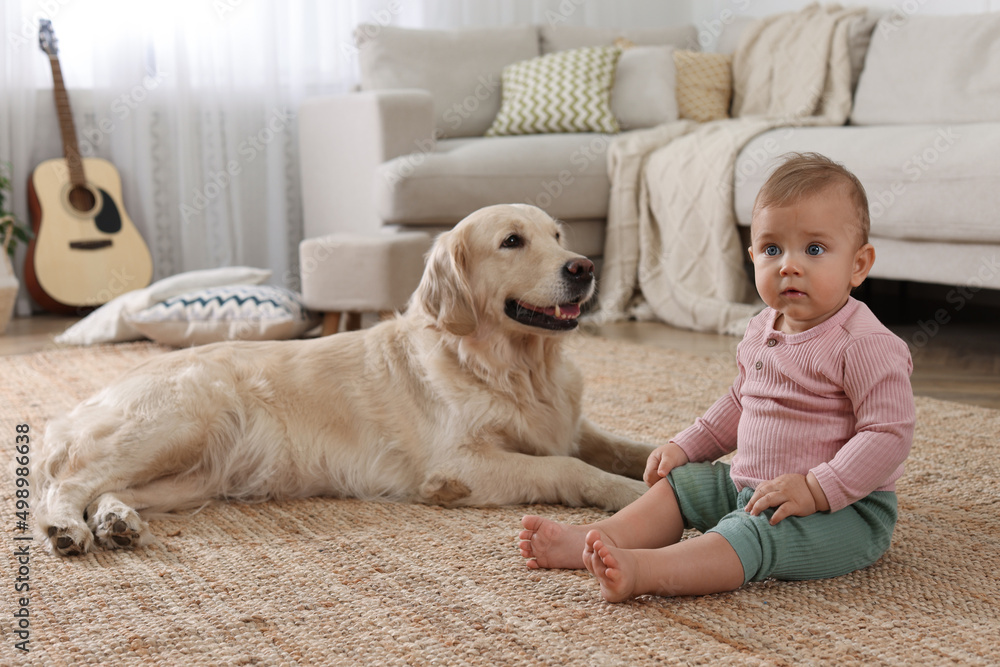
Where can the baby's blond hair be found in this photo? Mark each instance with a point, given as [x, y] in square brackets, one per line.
[804, 174]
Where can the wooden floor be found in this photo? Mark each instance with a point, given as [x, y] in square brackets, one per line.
[33, 334]
[960, 362]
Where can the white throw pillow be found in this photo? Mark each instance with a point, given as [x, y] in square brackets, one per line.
[931, 69]
[243, 312]
[644, 92]
[107, 324]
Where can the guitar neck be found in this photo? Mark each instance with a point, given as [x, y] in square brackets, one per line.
[70, 146]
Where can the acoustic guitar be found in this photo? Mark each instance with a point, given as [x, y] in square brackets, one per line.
[86, 250]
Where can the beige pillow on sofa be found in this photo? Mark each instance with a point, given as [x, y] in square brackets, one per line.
[704, 85]
[569, 91]
[461, 68]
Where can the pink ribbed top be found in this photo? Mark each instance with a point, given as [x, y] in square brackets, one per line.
[835, 400]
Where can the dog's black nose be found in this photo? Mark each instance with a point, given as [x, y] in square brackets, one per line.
[580, 269]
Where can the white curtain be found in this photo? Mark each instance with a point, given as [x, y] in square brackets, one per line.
[194, 101]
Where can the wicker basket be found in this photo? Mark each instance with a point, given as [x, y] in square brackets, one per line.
[8, 281]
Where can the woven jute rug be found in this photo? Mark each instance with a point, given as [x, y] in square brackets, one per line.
[328, 582]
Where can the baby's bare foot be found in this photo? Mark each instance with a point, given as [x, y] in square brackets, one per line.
[614, 569]
[550, 544]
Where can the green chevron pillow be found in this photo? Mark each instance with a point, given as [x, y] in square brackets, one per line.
[568, 91]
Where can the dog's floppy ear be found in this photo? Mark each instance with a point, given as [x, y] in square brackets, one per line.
[444, 291]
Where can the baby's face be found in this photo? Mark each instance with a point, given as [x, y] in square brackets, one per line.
[806, 258]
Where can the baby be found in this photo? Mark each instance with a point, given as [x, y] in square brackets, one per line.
[820, 415]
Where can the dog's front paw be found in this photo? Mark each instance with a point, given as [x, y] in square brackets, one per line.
[439, 489]
[622, 493]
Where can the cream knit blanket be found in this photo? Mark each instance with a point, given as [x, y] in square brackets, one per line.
[672, 250]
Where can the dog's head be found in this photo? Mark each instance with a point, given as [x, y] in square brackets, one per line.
[505, 266]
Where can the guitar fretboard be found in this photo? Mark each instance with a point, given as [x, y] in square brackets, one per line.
[66, 128]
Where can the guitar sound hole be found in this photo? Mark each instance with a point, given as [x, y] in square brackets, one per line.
[82, 199]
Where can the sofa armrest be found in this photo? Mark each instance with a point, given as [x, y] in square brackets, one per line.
[342, 139]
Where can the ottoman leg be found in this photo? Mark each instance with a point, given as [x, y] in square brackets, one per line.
[353, 322]
[331, 323]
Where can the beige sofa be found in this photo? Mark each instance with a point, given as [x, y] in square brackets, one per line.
[407, 151]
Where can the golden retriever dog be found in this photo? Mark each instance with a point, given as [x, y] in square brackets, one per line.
[466, 399]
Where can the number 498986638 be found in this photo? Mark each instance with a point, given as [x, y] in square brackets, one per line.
[22, 458]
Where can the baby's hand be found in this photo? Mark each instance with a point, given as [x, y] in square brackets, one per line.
[661, 461]
[792, 494]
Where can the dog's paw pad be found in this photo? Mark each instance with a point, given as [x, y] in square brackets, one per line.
[64, 544]
[115, 531]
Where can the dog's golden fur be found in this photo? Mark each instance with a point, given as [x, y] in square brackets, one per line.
[460, 401]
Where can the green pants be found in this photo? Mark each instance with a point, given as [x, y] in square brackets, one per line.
[821, 545]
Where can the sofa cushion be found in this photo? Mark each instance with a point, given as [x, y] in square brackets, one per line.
[924, 182]
[562, 37]
[704, 85]
[569, 91]
[644, 91]
[931, 69]
[460, 68]
[564, 174]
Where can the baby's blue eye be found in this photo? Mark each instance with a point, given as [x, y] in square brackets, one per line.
[772, 250]
[815, 249]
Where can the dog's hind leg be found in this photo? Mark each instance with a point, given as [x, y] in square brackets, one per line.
[115, 517]
[66, 478]
[115, 524]
[63, 514]
[60, 518]
[98, 450]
